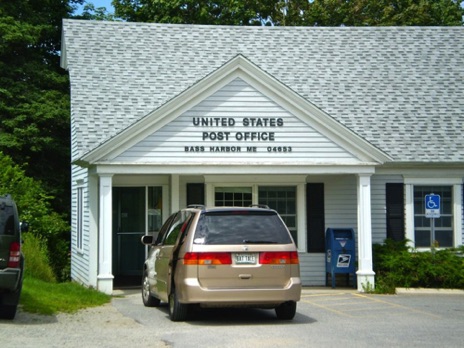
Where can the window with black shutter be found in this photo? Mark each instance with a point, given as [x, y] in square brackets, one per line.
[395, 211]
[195, 194]
[315, 215]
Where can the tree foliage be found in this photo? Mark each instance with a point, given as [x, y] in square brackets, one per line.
[293, 12]
[229, 12]
[90, 12]
[34, 92]
[34, 207]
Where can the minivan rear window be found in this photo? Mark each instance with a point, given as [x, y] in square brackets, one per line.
[241, 227]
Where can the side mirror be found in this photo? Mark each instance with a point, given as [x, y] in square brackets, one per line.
[147, 240]
[24, 226]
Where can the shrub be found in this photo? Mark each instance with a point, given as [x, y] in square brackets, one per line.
[35, 208]
[37, 263]
[397, 265]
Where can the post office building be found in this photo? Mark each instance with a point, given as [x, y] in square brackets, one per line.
[335, 128]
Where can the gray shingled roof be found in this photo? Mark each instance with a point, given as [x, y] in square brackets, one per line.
[400, 88]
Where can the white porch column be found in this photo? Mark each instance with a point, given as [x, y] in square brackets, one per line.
[365, 273]
[105, 234]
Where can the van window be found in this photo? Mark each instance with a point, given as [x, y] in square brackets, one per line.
[178, 226]
[7, 224]
[241, 227]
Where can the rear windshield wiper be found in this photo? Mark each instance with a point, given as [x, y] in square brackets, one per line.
[249, 241]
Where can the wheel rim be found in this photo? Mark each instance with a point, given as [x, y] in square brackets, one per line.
[171, 303]
[145, 288]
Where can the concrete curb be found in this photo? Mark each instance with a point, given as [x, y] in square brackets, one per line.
[399, 291]
[326, 290]
[417, 291]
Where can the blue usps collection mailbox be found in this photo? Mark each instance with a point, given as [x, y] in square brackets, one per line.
[340, 250]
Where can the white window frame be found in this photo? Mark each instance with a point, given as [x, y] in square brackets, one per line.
[456, 184]
[211, 181]
[293, 229]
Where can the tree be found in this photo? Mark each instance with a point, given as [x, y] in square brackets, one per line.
[91, 12]
[34, 92]
[34, 207]
[384, 13]
[222, 12]
[293, 12]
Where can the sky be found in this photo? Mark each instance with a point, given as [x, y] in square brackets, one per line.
[101, 3]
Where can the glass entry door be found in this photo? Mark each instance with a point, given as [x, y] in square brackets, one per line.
[128, 228]
[136, 211]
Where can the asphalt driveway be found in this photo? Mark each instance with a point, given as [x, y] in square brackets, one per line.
[325, 318]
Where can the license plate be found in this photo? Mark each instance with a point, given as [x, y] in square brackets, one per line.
[246, 259]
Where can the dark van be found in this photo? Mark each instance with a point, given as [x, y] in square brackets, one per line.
[11, 258]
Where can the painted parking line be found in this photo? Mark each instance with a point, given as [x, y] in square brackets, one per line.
[356, 305]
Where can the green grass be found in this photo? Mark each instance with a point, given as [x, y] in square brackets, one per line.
[50, 298]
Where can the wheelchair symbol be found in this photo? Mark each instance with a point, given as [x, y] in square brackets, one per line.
[431, 204]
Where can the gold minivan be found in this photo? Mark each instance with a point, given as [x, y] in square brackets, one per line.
[222, 257]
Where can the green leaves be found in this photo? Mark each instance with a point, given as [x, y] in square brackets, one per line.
[34, 93]
[396, 265]
[293, 12]
[34, 206]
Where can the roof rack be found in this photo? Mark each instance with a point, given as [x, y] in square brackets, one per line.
[197, 206]
[263, 206]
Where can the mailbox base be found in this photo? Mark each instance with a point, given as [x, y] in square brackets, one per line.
[334, 276]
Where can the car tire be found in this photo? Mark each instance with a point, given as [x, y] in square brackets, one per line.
[286, 311]
[148, 299]
[8, 312]
[177, 311]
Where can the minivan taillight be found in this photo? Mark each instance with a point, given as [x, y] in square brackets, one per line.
[279, 258]
[15, 255]
[207, 259]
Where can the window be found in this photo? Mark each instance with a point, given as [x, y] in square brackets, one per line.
[175, 224]
[315, 213]
[394, 193]
[178, 226]
[80, 218]
[165, 228]
[195, 194]
[233, 197]
[7, 223]
[429, 231]
[283, 200]
[238, 227]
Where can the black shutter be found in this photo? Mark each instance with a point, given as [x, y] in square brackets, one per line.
[395, 211]
[195, 194]
[315, 216]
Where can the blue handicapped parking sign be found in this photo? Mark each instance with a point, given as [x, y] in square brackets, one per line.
[432, 206]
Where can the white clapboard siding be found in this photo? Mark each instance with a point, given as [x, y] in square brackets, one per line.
[195, 137]
[80, 265]
[312, 269]
[341, 201]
